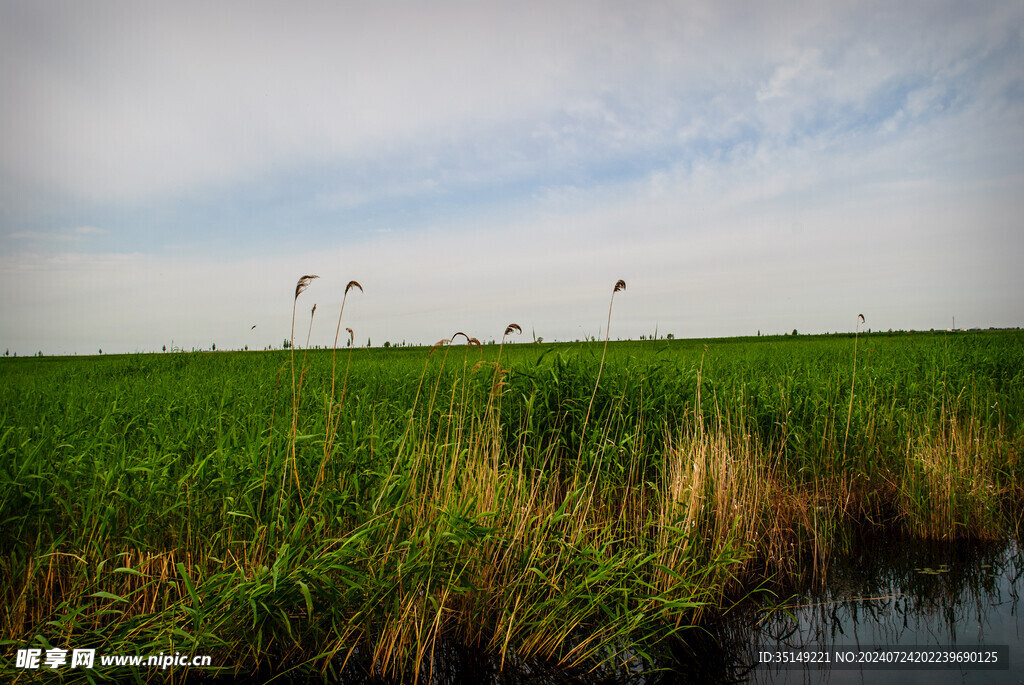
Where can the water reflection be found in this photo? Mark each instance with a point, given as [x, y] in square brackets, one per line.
[904, 592]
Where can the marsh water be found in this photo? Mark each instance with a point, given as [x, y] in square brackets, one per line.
[883, 592]
[891, 592]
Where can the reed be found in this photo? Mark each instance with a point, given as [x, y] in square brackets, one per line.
[954, 480]
[148, 503]
[333, 408]
[619, 286]
[853, 381]
[300, 286]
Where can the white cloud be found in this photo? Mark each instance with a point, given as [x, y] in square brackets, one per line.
[60, 236]
[735, 164]
[723, 250]
[127, 101]
[805, 67]
[139, 101]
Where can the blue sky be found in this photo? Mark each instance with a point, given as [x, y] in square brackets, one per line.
[167, 172]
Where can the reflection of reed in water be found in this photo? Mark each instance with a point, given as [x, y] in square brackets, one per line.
[899, 591]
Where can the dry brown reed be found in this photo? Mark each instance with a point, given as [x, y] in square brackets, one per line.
[718, 494]
[951, 486]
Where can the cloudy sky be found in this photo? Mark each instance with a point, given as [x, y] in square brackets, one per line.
[169, 170]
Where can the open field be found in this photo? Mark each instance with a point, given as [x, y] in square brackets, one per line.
[225, 504]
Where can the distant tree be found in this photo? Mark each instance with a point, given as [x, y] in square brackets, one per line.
[368, 343]
[794, 331]
[213, 347]
[285, 345]
[387, 344]
[101, 351]
[8, 352]
[165, 348]
[246, 348]
[670, 336]
[540, 339]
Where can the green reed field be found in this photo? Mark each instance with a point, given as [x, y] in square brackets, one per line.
[299, 511]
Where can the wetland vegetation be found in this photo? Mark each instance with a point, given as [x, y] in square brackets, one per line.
[583, 504]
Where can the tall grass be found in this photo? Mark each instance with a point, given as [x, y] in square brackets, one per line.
[504, 497]
[853, 382]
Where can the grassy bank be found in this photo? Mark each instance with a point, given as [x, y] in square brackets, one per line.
[294, 511]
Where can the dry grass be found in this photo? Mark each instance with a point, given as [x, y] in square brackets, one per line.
[953, 482]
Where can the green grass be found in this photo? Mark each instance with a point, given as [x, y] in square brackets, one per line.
[193, 503]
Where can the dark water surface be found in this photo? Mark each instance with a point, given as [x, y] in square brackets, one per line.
[898, 592]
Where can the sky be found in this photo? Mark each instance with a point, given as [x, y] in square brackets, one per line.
[169, 170]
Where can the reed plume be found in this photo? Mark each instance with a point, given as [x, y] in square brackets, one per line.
[300, 286]
[303, 283]
[509, 330]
